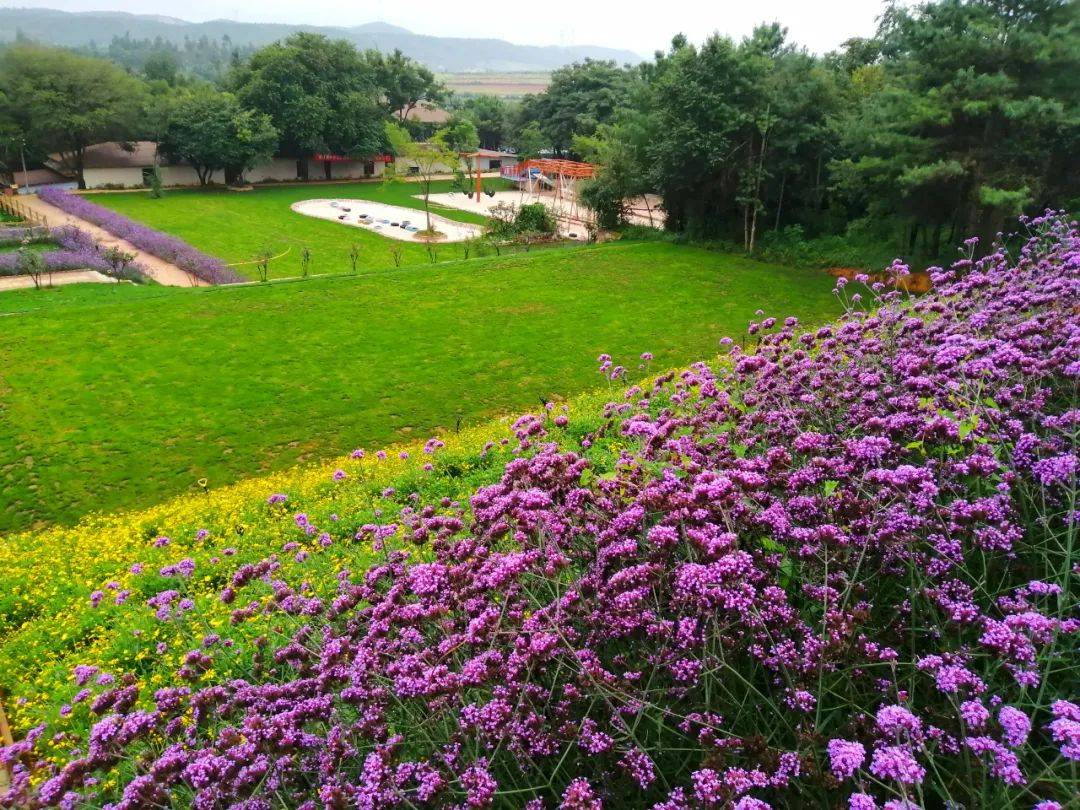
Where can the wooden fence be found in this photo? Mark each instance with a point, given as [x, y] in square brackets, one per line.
[11, 205]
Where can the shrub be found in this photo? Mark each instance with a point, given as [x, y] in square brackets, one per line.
[535, 218]
[606, 201]
[837, 570]
[30, 263]
[155, 183]
[508, 222]
[163, 246]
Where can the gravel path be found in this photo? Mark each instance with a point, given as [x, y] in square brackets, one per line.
[58, 278]
[159, 270]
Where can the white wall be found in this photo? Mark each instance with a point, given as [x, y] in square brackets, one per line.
[277, 169]
[184, 176]
[404, 165]
[484, 163]
[124, 178]
[274, 169]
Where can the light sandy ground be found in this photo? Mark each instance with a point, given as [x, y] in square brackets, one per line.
[58, 278]
[642, 211]
[570, 227]
[381, 218]
[159, 270]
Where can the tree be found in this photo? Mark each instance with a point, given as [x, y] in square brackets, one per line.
[702, 106]
[580, 98]
[163, 66]
[31, 263]
[460, 136]
[430, 158]
[212, 132]
[727, 133]
[530, 142]
[977, 117]
[620, 153]
[403, 83]
[321, 96]
[63, 102]
[491, 115]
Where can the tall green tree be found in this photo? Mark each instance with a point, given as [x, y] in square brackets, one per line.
[62, 102]
[580, 98]
[704, 104]
[430, 158]
[212, 132]
[403, 83]
[320, 94]
[491, 115]
[977, 119]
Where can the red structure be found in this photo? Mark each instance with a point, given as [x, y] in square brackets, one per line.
[558, 176]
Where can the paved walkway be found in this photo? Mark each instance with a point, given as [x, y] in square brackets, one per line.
[58, 278]
[159, 270]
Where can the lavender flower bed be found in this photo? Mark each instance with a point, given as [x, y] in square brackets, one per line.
[78, 251]
[163, 246]
[13, 235]
[837, 571]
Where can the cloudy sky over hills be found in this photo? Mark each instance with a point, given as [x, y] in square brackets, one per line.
[633, 24]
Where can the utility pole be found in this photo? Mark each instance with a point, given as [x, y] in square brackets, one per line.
[22, 155]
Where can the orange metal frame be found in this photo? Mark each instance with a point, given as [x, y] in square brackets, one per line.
[554, 166]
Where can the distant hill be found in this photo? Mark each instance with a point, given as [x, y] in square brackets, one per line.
[443, 54]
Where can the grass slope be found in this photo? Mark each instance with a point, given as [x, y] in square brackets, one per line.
[46, 577]
[119, 397]
[235, 226]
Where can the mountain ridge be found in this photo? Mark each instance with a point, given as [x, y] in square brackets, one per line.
[442, 54]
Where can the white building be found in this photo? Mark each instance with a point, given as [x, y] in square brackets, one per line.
[110, 165]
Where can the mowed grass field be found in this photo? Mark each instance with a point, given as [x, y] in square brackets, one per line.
[235, 226]
[115, 397]
[505, 85]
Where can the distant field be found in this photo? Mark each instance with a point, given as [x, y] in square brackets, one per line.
[117, 397]
[236, 226]
[507, 85]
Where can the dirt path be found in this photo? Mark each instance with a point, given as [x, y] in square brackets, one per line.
[58, 278]
[159, 270]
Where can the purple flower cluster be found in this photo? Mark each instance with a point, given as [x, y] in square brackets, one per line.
[166, 247]
[828, 572]
[77, 251]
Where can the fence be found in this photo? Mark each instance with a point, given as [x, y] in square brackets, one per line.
[15, 208]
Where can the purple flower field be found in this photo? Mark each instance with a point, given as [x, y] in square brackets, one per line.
[835, 569]
[78, 251]
[162, 245]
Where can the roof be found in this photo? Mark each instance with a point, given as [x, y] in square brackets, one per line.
[114, 156]
[37, 177]
[493, 153]
[428, 115]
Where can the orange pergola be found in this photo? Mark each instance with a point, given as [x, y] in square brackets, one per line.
[555, 167]
[561, 170]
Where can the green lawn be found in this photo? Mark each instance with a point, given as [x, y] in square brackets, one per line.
[236, 225]
[114, 397]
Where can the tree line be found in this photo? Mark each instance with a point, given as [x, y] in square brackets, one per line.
[302, 96]
[953, 118]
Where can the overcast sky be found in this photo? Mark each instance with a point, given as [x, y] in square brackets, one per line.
[633, 24]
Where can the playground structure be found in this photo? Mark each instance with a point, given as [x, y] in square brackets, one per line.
[553, 182]
[555, 178]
